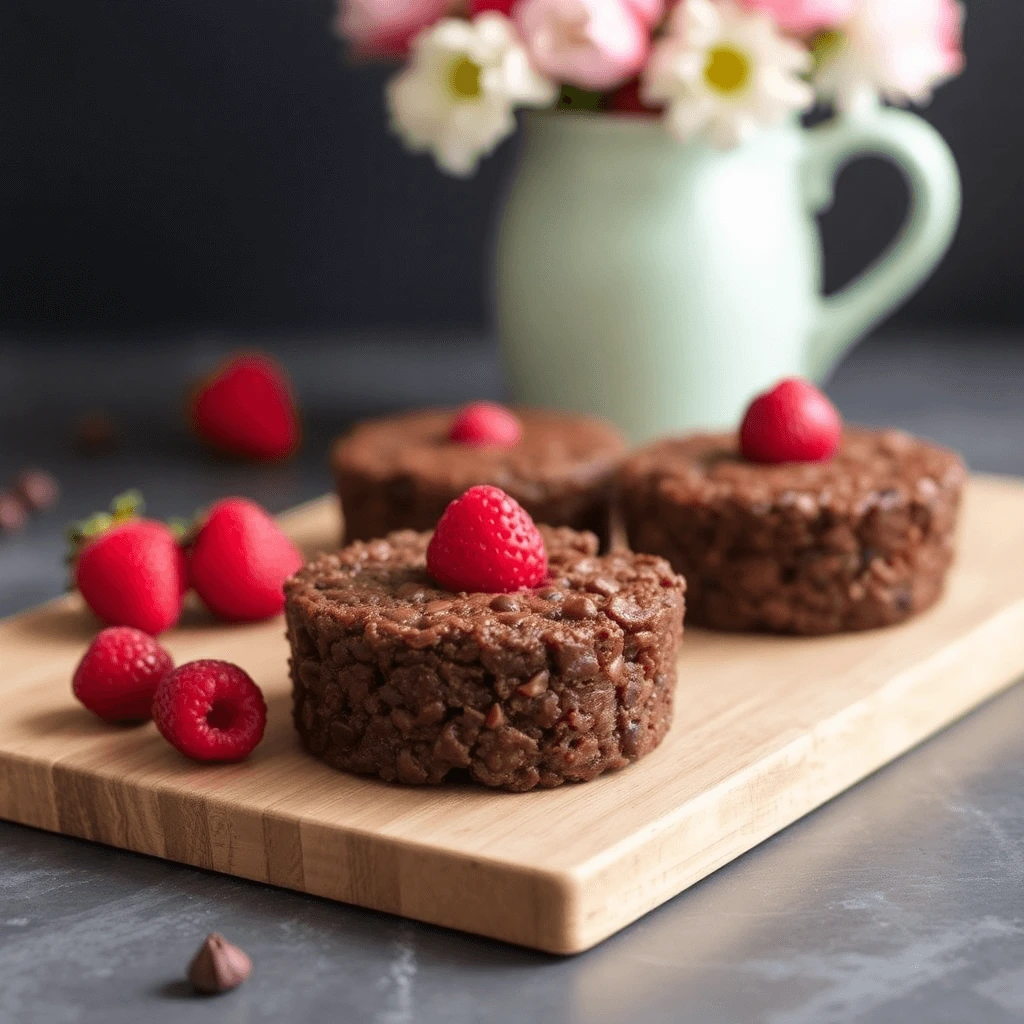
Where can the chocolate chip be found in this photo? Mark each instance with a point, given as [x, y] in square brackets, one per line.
[413, 592]
[551, 594]
[495, 717]
[629, 614]
[37, 489]
[604, 585]
[579, 607]
[218, 966]
[504, 603]
[13, 514]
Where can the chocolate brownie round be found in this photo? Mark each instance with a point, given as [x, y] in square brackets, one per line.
[393, 677]
[401, 472]
[859, 541]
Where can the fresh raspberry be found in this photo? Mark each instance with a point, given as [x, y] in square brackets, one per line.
[239, 560]
[485, 423]
[210, 711]
[119, 674]
[794, 422]
[130, 571]
[486, 541]
[245, 409]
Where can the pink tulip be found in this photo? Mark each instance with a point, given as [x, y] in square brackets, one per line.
[387, 27]
[802, 17]
[592, 44]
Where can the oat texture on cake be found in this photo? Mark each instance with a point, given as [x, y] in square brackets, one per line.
[400, 472]
[862, 540]
[394, 677]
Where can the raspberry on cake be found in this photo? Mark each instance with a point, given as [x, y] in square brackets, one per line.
[401, 472]
[861, 540]
[394, 676]
[486, 541]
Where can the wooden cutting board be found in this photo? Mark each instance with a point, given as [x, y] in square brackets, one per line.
[766, 730]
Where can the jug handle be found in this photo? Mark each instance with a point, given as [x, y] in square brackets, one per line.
[930, 168]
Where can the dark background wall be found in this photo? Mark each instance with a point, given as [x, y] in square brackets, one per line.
[214, 163]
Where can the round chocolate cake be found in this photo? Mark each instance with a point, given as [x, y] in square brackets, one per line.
[862, 540]
[401, 472]
[394, 677]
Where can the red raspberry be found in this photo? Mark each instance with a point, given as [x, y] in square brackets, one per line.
[486, 542]
[119, 674]
[794, 422]
[210, 711]
[485, 423]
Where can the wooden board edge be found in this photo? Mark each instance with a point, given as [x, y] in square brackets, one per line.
[976, 668]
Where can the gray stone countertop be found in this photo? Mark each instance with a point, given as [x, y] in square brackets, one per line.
[900, 901]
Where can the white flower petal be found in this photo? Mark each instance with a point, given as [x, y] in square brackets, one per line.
[459, 129]
[677, 72]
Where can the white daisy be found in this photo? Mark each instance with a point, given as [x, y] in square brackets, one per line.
[897, 49]
[723, 70]
[457, 96]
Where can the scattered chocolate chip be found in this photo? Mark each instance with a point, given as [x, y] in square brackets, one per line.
[13, 514]
[37, 489]
[495, 717]
[218, 966]
[95, 432]
[504, 603]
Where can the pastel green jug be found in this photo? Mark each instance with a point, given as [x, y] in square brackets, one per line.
[663, 285]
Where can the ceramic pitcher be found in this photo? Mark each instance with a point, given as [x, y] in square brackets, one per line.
[663, 285]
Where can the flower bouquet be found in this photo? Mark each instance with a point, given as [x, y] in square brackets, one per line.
[715, 70]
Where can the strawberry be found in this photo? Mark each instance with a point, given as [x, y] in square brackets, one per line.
[130, 571]
[486, 541]
[794, 422]
[485, 423]
[210, 711]
[119, 674]
[245, 409]
[239, 560]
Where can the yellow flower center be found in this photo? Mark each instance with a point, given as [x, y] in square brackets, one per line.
[464, 79]
[825, 45]
[727, 69]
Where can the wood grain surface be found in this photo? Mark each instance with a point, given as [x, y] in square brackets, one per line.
[766, 729]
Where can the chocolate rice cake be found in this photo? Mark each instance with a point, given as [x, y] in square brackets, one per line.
[394, 677]
[401, 472]
[859, 541]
